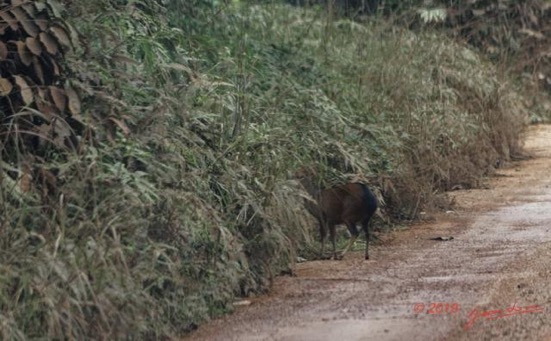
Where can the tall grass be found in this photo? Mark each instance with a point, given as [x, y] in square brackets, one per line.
[368, 98]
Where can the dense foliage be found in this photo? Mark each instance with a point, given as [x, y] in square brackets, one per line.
[187, 120]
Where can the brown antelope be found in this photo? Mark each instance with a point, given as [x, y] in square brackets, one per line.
[342, 204]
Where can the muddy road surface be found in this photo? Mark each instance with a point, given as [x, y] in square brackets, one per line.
[492, 281]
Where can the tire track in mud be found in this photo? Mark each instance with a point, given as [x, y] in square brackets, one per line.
[500, 256]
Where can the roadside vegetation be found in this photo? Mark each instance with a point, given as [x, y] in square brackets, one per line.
[148, 149]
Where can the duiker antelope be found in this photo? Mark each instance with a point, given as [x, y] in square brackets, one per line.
[348, 204]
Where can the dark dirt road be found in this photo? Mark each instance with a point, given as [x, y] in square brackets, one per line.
[498, 263]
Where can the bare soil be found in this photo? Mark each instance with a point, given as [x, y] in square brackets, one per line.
[498, 260]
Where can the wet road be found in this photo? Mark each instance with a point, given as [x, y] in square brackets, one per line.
[415, 288]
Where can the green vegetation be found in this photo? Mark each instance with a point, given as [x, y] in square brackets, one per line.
[179, 194]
